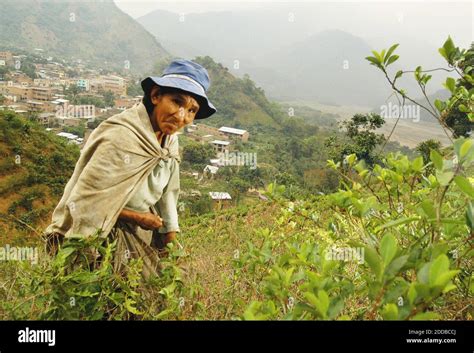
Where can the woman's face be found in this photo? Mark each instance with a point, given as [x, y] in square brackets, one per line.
[172, 111]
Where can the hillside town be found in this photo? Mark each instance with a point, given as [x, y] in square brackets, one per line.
[61, 96]
[70, 99]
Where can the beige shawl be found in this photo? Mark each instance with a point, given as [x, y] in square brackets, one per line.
[117, 158]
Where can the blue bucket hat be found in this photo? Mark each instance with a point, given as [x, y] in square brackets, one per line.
[188, 76]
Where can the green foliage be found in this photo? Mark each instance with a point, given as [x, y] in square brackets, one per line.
[80, 284]
[359, 138]
[87, 100]
[35, 166]
[457, 113]
[198, 154]
[77, 130]
[134, 89]
[109, 98]
[200, 206]
[416, 240]
[425, 147]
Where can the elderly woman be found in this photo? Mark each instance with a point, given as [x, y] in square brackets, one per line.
[125, 184]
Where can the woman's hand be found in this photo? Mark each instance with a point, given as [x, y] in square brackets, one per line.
[147, 221]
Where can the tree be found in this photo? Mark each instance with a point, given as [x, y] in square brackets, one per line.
[134, 89]
[72, 92]
[4, 71]
[425, 148]
[239, 187]
[359, 138]
[109, 98]
[198, 154]
[29, 69]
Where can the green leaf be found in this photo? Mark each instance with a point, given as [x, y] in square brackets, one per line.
[373, 61]
[426, 78]
[470, 215]
[321, 302]
[445, 277]
[388, 248]
[396, 222]
[374, 261]
[423, 273]
[396, 265]
[418, 72]
[351, 159]
[398, 74]
[464, 185]
[443, 53]
[390, 312]
[437, 268]
[324, 300]
[390, 51]
[444, 178]
[440, 105]
[417, 164]
[465, 147]
[412, 294]
[311, 298]
[450, 84]
[449, 288]
[377, 55]
[449, 48]
[436, 159]
[392, 59]
[428, 208]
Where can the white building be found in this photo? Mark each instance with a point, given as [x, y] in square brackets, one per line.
[243, 135]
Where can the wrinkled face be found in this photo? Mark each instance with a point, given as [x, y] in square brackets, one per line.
[172, 111]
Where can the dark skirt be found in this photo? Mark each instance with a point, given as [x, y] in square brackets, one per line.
[134, 242]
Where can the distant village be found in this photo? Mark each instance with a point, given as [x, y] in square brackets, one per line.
[45, 99]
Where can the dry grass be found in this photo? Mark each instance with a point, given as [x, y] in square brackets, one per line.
[211, 249]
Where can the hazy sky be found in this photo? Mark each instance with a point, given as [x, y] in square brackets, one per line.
[429, 21]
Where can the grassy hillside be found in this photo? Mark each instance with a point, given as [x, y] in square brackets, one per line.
[270, 260]
[34, 168]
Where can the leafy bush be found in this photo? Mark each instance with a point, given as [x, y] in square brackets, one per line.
[398, 240]
[414, 234]
[73, 287]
